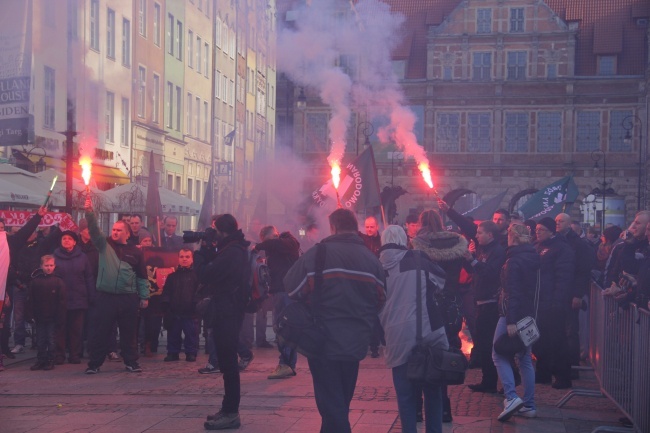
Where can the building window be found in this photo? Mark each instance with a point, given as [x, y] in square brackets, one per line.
[156, 98]
[110, 117]
[447, 73]
[142, 18]
[551, 71]
[606, 65]
[126, 42]
[156, 24]
[588, 131]
[170, 34]
[170, 105]
[516, 132]
[516, 20]
[188, 114]
[197, 117]
[142, 91]
[190, 48]
[447, 132]
[198, 191]
[479, 132]
[190, 183]
[178, 185]
[170, 182]
[110, 33]
[179, 107]
[549, 131]
[206, 59]
[73, 20]
[199, 47]
[481, 66]
[179, 40]
[206, 122]
[217, 84]
[48, 98]
[483, 20]
[617, 132]
[94, 24]
[124, 123]
[317, 139]
[517, 65]
[217, 33]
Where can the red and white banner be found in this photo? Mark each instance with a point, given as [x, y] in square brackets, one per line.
[20, 218]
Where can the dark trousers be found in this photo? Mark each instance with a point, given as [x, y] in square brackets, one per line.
[110, 308]
[152, 324]
[573, 336]
[179, 327]
[45, 332]
[377, 336]
[334, 383]
[487, 317]
[261, 320]
[226, 335]
[551, 348]
[70, 336]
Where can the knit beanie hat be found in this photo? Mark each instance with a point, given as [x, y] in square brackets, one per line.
[70, 233]
[549, 223]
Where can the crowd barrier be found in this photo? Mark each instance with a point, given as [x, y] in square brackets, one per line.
[620, 355]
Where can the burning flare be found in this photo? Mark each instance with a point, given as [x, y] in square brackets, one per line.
[336, 174]
[86, 164]
[426, 173]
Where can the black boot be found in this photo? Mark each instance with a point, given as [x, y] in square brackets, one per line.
[446, 410]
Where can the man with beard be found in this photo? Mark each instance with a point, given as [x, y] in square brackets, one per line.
[501, 218]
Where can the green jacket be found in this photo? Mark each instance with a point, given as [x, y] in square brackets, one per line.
[121, 267]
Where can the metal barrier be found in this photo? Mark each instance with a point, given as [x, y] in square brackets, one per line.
[620, 355]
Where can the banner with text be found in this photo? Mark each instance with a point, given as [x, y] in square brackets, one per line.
[15, 71]
[17, 218]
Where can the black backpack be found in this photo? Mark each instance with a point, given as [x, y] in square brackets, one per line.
[257, 282]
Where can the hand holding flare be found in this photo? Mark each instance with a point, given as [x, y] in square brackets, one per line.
[426, 175]
[86, 165]
[336, 180]
[49, 193]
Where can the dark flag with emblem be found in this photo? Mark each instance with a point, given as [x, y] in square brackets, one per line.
[551, 200]
[205, 217]
[153, 207]
[228, 139]
[359, 186]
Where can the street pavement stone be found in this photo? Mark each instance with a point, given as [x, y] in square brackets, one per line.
[173, 397]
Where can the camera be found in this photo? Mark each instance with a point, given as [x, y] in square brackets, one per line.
[209, 235]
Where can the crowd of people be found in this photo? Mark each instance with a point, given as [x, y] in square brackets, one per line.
[80, 289]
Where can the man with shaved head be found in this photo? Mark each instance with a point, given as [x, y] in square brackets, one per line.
[624, 256]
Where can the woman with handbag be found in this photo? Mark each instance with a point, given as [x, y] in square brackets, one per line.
[399, 320]
[519, 280]
[447, 250]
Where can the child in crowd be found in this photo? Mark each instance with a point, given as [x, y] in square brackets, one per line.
[179, 294]
[47, 306]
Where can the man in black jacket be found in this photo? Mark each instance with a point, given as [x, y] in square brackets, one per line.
[557, 274]
[282, 251]
[486, 269]
[351, 294]
[169, 239]
[224, 277]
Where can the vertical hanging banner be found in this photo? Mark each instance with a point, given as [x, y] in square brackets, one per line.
[15, 71]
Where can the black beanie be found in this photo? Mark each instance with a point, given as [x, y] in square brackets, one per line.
[549, 223]
[70, 233]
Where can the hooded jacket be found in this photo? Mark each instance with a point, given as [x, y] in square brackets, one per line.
[46, 298]
[350, 297]
[557, 274]
[180, 292]
[486, 271]
[399, 315]
[518, 283]
[75, 270]
[447, 250]
[121, 266]
[281, 254]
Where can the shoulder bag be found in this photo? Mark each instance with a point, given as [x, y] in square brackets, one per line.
[428, 364]
[526, 327]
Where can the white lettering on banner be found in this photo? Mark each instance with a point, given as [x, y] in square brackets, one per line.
[557, 198]
[358, 185]
[20, 218]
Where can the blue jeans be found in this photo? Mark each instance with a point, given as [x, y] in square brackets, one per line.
[504, 369]
[188, 327]
[407, 402]
[288, 356]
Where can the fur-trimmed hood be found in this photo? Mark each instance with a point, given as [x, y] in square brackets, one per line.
[440, 246]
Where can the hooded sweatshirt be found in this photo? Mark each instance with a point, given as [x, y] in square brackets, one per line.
[399, 315]
[447, 250]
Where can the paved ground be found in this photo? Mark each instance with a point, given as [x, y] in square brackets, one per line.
[173, 397]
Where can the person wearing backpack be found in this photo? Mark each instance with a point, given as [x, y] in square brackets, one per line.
[282, 251]
[224, 278]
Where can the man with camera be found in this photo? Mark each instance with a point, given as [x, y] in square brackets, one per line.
[224, 277]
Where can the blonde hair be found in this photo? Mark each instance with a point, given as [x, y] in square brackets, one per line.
[521, 233]
[46, 258]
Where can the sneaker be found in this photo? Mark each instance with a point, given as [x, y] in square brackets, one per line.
[38, 366]
[114, 357]
[171, 357]
[223, 421]
[245, 362]
[209, 369]
[528, 412]
[509, 408]
[282, 371]
[133, 368]
[18, 348]
[92, 370]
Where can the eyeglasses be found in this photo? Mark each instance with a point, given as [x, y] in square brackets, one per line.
[541, 229]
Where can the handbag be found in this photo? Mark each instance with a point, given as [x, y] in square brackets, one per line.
[297, 326]
[527, 327]
[429, 364]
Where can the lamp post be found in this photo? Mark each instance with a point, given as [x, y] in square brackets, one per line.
[596, 156]
[628, 124]
[367, 131]
[39, 165]
[393, 156]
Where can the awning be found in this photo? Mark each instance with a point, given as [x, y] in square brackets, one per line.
[100, 173]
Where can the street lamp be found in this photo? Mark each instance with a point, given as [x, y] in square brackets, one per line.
[367, 131]
[596, 156]
[301, 101]
[39, 165]
[628, 124]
